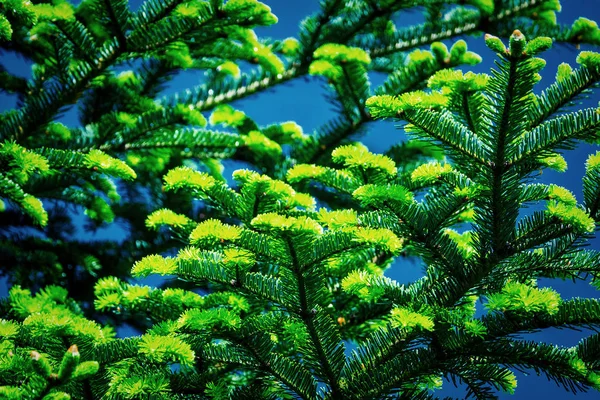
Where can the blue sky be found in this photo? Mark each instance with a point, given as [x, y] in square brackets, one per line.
[303, 101]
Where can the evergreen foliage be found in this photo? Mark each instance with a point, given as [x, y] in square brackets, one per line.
[281, 291]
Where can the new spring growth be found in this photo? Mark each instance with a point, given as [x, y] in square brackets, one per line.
[495, 44]
[154, 264]
[290, 47]
[522, 298]
[229, 68]
[585, 30]
[517, 43]
[40, 365]
[167, 217]
[86, 369]
[69, 363]
[35, 209]
[330, 57]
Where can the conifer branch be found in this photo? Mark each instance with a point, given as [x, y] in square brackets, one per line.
[308, 313]
[204, 98]
[561, 93]
[310, 43]
[419, 35]
[117, 21]
[271, 365]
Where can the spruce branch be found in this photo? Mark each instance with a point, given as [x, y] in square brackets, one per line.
[204, 98]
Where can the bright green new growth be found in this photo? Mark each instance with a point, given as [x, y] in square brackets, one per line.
[464, 241]
[586, 29]
[291, 46]
[227, 116]
[165, 348]
[593, 162]
[380, 106]
[154, 264]
[99, 161]
[229, 68]
[555, 162]
[185, 177]
[338, 219]
[403, 318]
[167, 217]
[522, 298]
[457, 81]
[358, 283]
[22, 162]
[271, 277]
[571, 215]
[562, 195]
[428, 173]
[341, 54]
[213, 231]
[359, 156]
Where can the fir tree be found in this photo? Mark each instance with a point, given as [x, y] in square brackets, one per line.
[288, 288]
